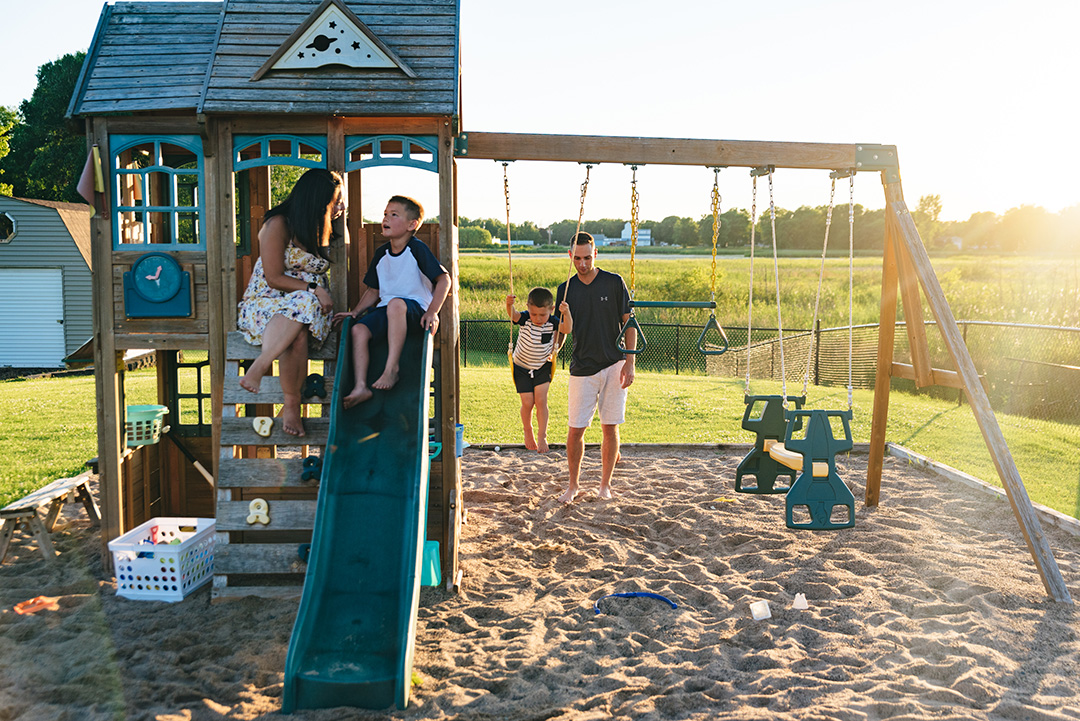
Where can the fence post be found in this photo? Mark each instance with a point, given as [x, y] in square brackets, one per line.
[817, 352]
[960, 391]
[678, 348]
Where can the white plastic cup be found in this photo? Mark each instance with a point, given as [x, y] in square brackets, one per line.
[800, 603]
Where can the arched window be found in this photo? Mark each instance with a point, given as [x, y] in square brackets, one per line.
[157, 194]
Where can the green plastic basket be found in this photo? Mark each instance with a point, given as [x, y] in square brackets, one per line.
[143, 425]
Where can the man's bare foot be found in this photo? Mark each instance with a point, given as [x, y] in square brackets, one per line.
[291, 421]
[387, 380]
[358, 396]
[570, 495]
[542, 445]
[530, 442]
[605, 492]
[618, 456]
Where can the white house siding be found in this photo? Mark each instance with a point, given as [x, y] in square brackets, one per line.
[43, 247]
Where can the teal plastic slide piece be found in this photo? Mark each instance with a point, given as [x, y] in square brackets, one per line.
[764, 415]
[352, 642]
[820, 496]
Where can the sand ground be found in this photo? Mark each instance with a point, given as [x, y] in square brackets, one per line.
[929, 608]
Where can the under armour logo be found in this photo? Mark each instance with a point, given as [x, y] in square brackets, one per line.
[603, 298]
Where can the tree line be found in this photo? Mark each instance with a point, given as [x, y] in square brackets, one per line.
[42, 155]
[1027, 228]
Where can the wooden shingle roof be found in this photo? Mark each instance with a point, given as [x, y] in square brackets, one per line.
[212, 58]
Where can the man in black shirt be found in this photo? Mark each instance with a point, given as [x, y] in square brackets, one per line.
[599, 372]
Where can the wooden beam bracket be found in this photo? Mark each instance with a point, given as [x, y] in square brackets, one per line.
[878, 157]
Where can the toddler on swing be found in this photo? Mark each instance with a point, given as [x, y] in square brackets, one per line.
[533, 358]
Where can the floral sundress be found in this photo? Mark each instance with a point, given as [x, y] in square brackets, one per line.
[261, 302]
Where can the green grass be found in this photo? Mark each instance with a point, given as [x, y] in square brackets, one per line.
[1031, 289]
[48, 425]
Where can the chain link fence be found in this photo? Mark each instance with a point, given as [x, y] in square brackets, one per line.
[1028, 370]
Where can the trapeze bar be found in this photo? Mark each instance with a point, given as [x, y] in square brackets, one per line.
[672, 304]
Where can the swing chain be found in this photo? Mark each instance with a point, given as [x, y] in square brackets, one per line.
[753, 241]
[584, 190]
[509, 245]
[633, 228]
[715, 229]
[851, 286]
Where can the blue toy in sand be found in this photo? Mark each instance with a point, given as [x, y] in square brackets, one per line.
[819, 495]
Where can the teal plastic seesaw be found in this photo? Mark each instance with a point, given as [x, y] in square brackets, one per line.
[764, 415]
[819, 490]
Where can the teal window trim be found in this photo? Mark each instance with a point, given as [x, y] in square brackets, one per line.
[430, 143]
[118, 144]
[242, 142]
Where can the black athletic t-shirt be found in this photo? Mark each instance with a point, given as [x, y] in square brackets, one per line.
[597, 310]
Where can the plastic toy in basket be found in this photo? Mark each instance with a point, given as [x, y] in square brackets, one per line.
[164, 559]
[143, 425]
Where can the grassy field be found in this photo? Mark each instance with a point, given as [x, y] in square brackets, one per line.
[1038, 290]
[47, 426]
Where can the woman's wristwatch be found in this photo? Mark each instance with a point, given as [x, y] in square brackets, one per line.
[313, 286]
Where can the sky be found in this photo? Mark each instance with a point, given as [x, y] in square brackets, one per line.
[979, 96]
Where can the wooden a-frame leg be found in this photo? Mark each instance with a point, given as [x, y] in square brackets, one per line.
[7, 530]
[84, 495]
[42, 536]
[883, 377]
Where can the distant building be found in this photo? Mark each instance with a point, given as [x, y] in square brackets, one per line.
[644, 235]
[45, 281]
[500, 241]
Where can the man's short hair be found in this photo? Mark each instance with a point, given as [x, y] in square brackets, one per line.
[583, 238]
[413, 209]
[541, 298]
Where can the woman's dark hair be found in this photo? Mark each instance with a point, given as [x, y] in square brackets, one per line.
[305, 209]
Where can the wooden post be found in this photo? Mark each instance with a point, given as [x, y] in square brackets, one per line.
[335, 161]
[883, 377]
[220, 265]
[913, 316]
[980, 403]
[107, 379]
[449, 339]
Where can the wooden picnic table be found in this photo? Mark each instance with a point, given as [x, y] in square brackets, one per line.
[55, 495]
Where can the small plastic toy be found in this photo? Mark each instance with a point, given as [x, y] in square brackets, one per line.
[314, 385]
[312, 468]
[259, 512]
[38, 603]
[263, 425]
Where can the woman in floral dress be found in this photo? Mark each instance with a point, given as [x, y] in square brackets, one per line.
[288, 300]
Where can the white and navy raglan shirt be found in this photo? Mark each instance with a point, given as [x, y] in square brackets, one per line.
[412, 273]
[535, 342]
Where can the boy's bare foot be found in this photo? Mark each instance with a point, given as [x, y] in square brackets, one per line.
[570, 495]
[605, 492]
[291, 421]
[358, 396]
[387, 380]
[542, 445]
[530, 442]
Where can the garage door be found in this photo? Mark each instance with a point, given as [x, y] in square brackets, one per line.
[31, 317]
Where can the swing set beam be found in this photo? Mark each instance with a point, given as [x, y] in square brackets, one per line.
[676, 151]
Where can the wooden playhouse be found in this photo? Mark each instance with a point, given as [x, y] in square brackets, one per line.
[191, 107]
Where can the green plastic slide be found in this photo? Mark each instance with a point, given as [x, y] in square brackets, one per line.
[352, 643]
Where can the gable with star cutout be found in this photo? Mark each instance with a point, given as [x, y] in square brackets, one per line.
[333, 35]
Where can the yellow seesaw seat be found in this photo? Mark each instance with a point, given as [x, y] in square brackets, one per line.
[793, 460]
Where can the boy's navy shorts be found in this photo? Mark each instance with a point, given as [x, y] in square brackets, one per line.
[526, 381]
[377, 322]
